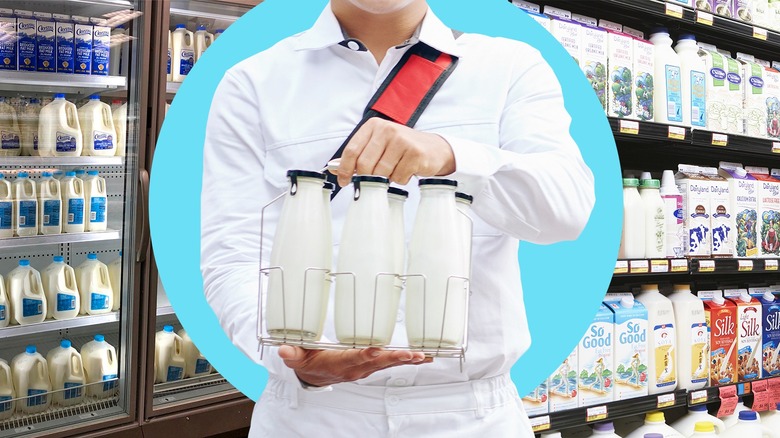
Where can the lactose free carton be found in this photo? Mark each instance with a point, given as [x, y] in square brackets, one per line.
[743, 193]
[631, 353]
[695, 190]
[595, 355]
[768, 211]
[749, 334]
[721, 316]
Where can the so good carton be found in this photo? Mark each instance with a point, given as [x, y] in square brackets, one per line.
[562, 385]
[631, 354]
[595, 355]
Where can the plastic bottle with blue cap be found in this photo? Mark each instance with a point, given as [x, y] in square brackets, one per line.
[7, 208]
[203, 39]
[73, 213]
[5, 311]
[101, 367]
[49, 204]
[771, 418]
[61, 288]
[218, 33]
[26, 205]
[694, 78]
[183, 53]
[28, 127]
[66, 372]
[25, 293]
[696, 414]
[96, 202]
[668, 93]
[94, 285]
[749, 425]
[59, 131]
[7, 392]
[115, 275]
[197, 364]
[169, 356]
[10, 136]
[97, 128]
[31, 381]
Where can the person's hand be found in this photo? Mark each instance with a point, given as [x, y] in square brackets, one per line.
[395, 151]
[324, 367]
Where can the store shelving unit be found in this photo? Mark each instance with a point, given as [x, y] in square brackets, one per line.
[51, 162]
[57, 325]
[37, 82]
[59, 239]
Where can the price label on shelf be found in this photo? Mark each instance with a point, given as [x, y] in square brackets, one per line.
[679, 265]
[659, 266]
[704, 18]
[596, 413]
[761, 397]
[720, 139]
[760, 33]
[629, 127]
[728, 400]
[699, 397]
[621, 267]
[776, 147]
[706, 265]
[665, 400]
[539, 424]
[770, 265]
[676, 133]
[675, 11]
[745, 265]
[774, 390]
[639, 266]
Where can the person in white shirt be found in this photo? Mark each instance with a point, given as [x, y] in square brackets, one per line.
[498, 126]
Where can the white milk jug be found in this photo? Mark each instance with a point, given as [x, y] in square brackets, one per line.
[5, 311]
[203, 39]
[367, 302]
[119, 112]
[168, 73]
[197, 364]
[693, 359]
[703, 429]
[115, 275]
[749, 425]
[97, 127]
[169, 355]
[31, 381]
[66, 372]
[692, 69]
[10, 136]
[731, 420]
[73, 203]
[7, 392]
[655, 422]
[218, 33]
[673, 215]
[661, 340]
[632, 243]
[436, 307]
[100, 365]
[697, 414]
[25, 293]
[183, 56]
[26, 206]
[49, 205]
[655, 220]
[94, 287]
[60, 286]
[59, 131]
[303, 241]
[6, 208]
[604, 430]
[463, 203]
[96, 202]
[667, 96]
[28, 127]
[771, 418]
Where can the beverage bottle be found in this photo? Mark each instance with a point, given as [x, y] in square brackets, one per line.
[7, 392]
[73, 203]
[673, 215]
[655, 221]
[696, 415]
[183, 53]
[115, 275]
[693, 81]
[60, 286]
[7, 210]
[655, 423]
[10, 136]
[49, 204]
[693, 361]
[661, 340]
[28, 127]
[96, 202]
[119, 113]
[26, 206]
[101, 367]
[632, 243]
[97, 127]
[169, 354]
[31, 381]
[94, 287]
[25, 294]
[197, 364]
[59, 131]
[203, 39]
[667, 95]
[66, 372]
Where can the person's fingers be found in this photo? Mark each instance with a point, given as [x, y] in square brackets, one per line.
[371, 153]
[292, 356]
[405, 169]
[390, 159]
[353, 150]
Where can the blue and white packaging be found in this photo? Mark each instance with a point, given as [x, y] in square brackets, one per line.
[631, 353]
[27, 45]
[101, 47]
[82, 30]
[7, 39]
[595, 356]
[65, 43]
[46, 42]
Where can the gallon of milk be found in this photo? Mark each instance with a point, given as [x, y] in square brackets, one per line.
[65, 43]
[743, 193]
[595, 355]
[770, 419]
[668, 93]
[5, 317]
[693, 362]
[203, 39]
[100, 365]
[770, 337]
[604, 430]
[749, 333]
[731, 420]
[661, 340]
[632, 243]
[101, 47]
[49, 204]
[28, 127]
[60, 286]
[703, 429]
[694, 78]
[768, 211]
[170, 356]
[25, 293]
[26, 206]
[7, 392]
[722, 222]
[96, 202]
[562, 385]
[97, 127]
[197, 364]
[31, 381]
[655, 422]
[183, 53]
[120, 124]
[673, 216]
[10, 136]
[696, 414]
[59, 132]
[630, 317]
[749, 425]
[26, 26]
[115, 275]
[655, 220]
[73, 203]
[83, 43]
[536, 402]
[94, 286]
[47, 45]
[721, 316]
[6, 208]
[695, 189]
[66, 372]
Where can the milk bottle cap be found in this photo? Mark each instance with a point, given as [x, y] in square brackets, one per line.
[1, 176]
[650, 184]
[120, 253]
[748, 416]
[466, 198]
[201, 27]
[58, 173]
[654, 435]
[305, 174]
[740, 172]
[92, 173]
[100, 338]
[437, 182]
[630, 182]
[180, 26]
[94, 97]
[59, 259]
[768, 296]
[21, 175]
[59, 96]
[70, 173]
[778, 406]
[92, 256]
[65, 343]
[644, 176]
[30, 349]
[168, 329]
[24, 262]
[80, 172]
[219, 30]
[35, 100]
[745, 297]
[627, 302]
[604, 427]
[400, 192]
[655, 417]
[370, 178]
[719, 300]
[46, 174]
[704, 426]
[688, 36]
[698, 408]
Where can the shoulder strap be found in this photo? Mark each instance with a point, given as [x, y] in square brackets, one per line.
[406, 91]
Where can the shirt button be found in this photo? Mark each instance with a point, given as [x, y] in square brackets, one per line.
[392, 400]
[353, 45]
[399, 382]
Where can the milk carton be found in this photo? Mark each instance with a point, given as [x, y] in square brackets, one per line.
[717, 89]
[743, 193]
[542, 19]
[644, 67]
[46, 58]
[630, 318]
[101, 47]
[562, 385]
[770, 330]
[753, 97]
[695, 190]
[772, 105]
[595, 355]
[749, 334]
[26, 27]
[569, 34]
[722, 223]
[721, 315]
[536, 402]
[735, 97]
[534, 11]
[65, 43]
[82, 30]
[8, 43]
[768, 212]
[594, 60]
[745, 10]
[723, 7]
[620, 76]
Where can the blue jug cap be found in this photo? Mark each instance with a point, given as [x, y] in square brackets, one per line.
[35, 100]
[1, 176]
[201, 27]
[698, 408]
[180, 26]
[30, 349]
[748, 415]
[58, 172]
[219, 30]
[120, 253]
[46, 174]
[94, 97]
[92, 256]
[688, 36]
[59, 96]
[59, 259]
[92, 172]
[80, 172]
[22, 175]
[70, 173]
[65, 343]
[168, 329]
[100, 338]
[24, 262]
[778, 406]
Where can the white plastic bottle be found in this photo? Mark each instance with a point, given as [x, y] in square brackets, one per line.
[655, 422]
[119, 112]
[60, 287]
[28, 127]
[7, 210]
[667, 96]
[771, 418]
[5, 312]
[703, 429]
[697, 414]
[7, 392]
[94, 287]
[655, 220]
[197, 364]
[661, 340]
[10, 136]
[66, 372]
[731, 420]
[397, 198]
[97, 127]
[436, 307]
[169, 354]
[749, 425]
[203, 39]
[183, 53]
[49, 204]
[218, 33]
[632, 243]
[119, 53]
[693, 359]
[673, 215]
[31, 381]
[96, 202]
[693, 79]
[25, 293]
[26, 206]
[115, 275]
[604, 430]
[59, 131]
[73, 203]
[169, 73]
[101, 367]
[367, 303]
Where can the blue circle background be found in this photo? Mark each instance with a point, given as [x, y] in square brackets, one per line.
[563, 283]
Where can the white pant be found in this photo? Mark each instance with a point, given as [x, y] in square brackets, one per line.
[480, 408]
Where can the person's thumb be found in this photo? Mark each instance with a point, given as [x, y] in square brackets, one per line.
[292, 356]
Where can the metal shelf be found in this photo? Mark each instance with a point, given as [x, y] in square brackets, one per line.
[164, 311]
[56, 239]
[46, 83]
[54, 325]
[665, 267]
[61, 161]
[91, 408]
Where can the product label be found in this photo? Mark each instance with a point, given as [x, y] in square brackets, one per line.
[168, 68]
[65, 46]
[101, 41]
[664, 355]
[28, 211]
[594, 62]
[83, 57]
[717, 72]
[111, 382]
[723, 339]
[75, 211]
[2, 312]
[51, 213]
[643, 83]
[7, 43]
[187, 61]
[65, 302]
[733, 76]
[65, 142]
[596, 360]
[698, 99]
[46, 58]
[31, 307]
[9, 140]
[621, 77]
[174, 374]
[771, 340]
[673, 93]
[98, 301]
[6, 215]
[700, 370]
[102, 140]
[203, 366]
[97, 209]
[36, 397]
[27, 44]
[72, 390]
[5, 404]
[750, 335]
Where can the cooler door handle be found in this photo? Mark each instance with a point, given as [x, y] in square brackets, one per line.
[142, 243]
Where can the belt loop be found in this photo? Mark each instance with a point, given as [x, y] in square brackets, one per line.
[478, 398]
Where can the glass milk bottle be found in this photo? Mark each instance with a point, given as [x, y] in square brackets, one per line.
[463, 202]
[632, 244]
[436, 306]
[655, 220]
[303, 249]
[367, 302]
[397, 198]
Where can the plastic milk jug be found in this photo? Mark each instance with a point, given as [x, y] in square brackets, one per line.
[60, 286]
[596, 355]
[693, 362]
[96, 202]
[5, 311]
[26, 206]
[655, 221]
[197, 364]
[604, 430]
[694, 92]
[169, 353]
[437, 253]
[667, 96]
[655, 422]
[25, 293]
[303, 249]
[66, 372]
[218, 33]
[94, 287]
[632, 243]
[100, 365]
[49, 205]
[367, 303]
[703, 429]
[28, 127]
[749, 425]
[697, 414]
[770, 419]
[59, 131]
[118, 54]
[73, 203]
[203, 39]
[31, 381]
[630, 376]
[169, 74]
[7, 209]
[97, 127]
[731, 420]
[115, 275]
[7, 392]
[673, 215]
[183, 53]
[397, 199]
[120, 124]
[661, 340]
[770, 334]
[10, 136]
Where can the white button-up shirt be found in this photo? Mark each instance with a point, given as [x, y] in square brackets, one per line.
[291, 106]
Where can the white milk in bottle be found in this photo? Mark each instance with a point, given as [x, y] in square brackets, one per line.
[367, 303]
[771, 418]
[169, 355]
[59, 131]
[25, 293]
[197, 364]
[10, 137]
[66, 372]
[26, 206]
[632, 243]
[673, 215]
[397, 199]
[60, 286]
[183, 53]
[96, 202]
[203, 39]
[436, 307]
[655, 423]
[115, 275]
[463, 202]
[5, 314]
[749, 425]
[7, 392]
[6, 208]
[667, 96]
[655, 221]
[100, 365]
[697, 414]
[73, 203]
[694, 92]
[119, 113]
[31, 381]
[661, 340]
[97, 127]
[49, 205]
[28, 127]
[94, 287]
[693, 362]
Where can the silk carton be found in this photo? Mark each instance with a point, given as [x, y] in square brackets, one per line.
[721, 316]
[749, 334]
